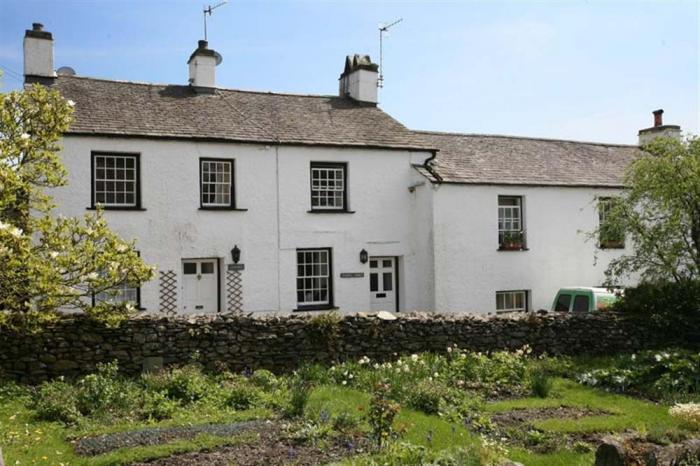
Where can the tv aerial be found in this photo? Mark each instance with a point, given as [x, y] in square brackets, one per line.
[207, 11]
[383, 29]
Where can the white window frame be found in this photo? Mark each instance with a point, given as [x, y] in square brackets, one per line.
[114, 180]
[119, 294]
[334, 192]
[510, 217]
[506, 301]
[221, 185]
[314, 268]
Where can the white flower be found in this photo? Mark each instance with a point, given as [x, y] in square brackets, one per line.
[435, 375]
[121, 248]
[350, 376]
[24, 136]
[53, 254]
[16, 232]
[345, 382]
[658, 357]
[92, 276]
[376, 365]
[449, 349]
[71, 103]
[414, 357]
[634, 357]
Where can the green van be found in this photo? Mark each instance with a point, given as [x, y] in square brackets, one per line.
[585, 299]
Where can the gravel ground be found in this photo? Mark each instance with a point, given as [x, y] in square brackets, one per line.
[272, 448]
[90, 446]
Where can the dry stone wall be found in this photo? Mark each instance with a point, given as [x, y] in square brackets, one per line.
[74, 345]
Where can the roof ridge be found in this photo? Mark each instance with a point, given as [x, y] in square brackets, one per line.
[227, 89]
[530, 138]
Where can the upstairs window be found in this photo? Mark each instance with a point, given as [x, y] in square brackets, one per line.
[328, 186]
[216, 184]
[511, 301]
[115, 180]
[511, 235]
[314, 279]
[611, 236]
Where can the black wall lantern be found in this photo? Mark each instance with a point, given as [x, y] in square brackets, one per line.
[235, 254]
[363, 256]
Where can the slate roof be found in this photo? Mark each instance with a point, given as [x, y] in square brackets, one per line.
[506, 160]
[105, 107]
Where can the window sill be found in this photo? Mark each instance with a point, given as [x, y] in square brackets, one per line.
[329, 211]
[228, 209]
[115, 208]
[315, 308]
[613, 247]
[512, 250]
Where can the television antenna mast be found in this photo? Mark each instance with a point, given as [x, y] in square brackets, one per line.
[207, 11]
[383, 29]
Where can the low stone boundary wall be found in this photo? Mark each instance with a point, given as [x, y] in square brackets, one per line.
[74, 345]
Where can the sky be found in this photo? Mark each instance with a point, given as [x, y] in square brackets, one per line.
[583, 70]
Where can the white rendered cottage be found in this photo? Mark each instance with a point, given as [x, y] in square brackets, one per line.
[263, 202]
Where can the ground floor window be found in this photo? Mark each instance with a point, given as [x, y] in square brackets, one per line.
[123, 293]
[314, 279]
[512, 301]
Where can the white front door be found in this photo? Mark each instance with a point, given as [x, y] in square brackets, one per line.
[382, 283]
[200, 286]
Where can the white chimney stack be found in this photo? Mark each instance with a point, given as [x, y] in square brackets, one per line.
[203, 62]
[38, 55]
[359, 79]
[658, 130]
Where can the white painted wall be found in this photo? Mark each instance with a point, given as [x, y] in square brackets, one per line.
[273, 184]
[360, 85]
[38, 57]
[469, 269]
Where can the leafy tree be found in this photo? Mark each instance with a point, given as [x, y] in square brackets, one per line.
[659, 214]
[51, 262]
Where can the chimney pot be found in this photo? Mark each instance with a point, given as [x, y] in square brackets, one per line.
[203, 44]
[359, 79]
[658, 117]
[37, 27]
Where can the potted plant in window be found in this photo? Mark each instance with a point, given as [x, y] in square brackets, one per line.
[512, 240]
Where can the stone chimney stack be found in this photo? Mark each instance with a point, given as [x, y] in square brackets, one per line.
[38, 55]
[658, 130]
[359, 79]
[202, 63]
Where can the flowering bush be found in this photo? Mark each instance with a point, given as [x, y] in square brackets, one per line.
[689, 413]
[656, 374]
[382, 412]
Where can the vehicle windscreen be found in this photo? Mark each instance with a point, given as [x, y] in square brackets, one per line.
[563, 303]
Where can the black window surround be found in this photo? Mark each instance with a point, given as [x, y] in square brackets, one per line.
[137, 192]
[519, 236]
[232, 194]
[318, 307]
[318, 209]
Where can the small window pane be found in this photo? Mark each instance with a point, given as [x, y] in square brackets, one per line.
[387, 281]
[373, 264]
[189, 268]
[207, 267]
[373, 282]
[387, 263]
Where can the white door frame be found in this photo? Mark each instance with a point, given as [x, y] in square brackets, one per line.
[217, 280]
[380, 270]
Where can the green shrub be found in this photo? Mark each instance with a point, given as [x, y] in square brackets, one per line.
[670, 307]
[264, 379]
[242, 396]
[57, 401]
[345, 422]
[104, 391]
[299, 392]
[427, 396]
[186, 384]
[540, 384]
[157, 405]
[382, 412]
